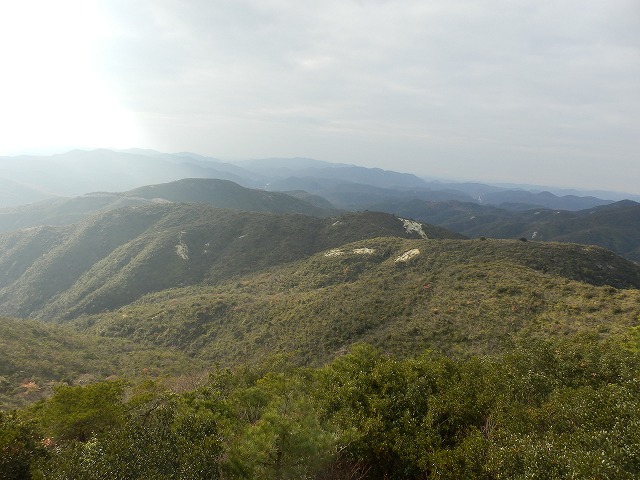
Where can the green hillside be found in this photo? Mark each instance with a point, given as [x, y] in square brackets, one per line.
[62, 211]
[111, 259]
[615, 227]
[36, 356]
[431, 358]
[460, 297]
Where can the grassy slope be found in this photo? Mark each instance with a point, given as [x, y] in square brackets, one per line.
[35, 356]
[461, 297]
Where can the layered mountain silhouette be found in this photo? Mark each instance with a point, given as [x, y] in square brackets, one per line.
[30, 178]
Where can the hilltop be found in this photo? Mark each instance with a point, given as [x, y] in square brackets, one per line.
[78, 172]
[227, 194]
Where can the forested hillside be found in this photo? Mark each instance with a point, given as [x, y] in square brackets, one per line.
[545, 410]
[36, 357]
[461, 297]
[111, 259]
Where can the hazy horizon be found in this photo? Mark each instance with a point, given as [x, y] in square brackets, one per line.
[614, 195]
[490, 91]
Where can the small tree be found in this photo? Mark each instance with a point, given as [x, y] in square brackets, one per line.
[19, 446]
[78, 413]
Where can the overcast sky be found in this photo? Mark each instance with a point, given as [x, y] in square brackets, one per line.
[528, 91]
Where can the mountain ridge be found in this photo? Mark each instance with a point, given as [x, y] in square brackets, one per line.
[216, 192]
[110, 259]
[457, 296]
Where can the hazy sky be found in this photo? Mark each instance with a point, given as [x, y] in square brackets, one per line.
[527, 91]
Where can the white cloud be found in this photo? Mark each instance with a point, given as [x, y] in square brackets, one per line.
[484, 86]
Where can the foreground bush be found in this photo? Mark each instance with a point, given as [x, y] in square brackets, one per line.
[547, 409]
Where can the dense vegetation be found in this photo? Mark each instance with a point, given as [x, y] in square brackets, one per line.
[111, 259]
[36, 356]
[545, 410]
[456, 296]
[203, 343]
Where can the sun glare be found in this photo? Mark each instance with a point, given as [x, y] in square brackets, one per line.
[51, 94]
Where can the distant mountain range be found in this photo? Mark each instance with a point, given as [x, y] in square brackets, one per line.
[27, 179]
[79, 172]
[615, 226]
[107, 248]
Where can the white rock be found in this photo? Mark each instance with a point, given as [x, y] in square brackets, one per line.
[411, 226]
[406, 256]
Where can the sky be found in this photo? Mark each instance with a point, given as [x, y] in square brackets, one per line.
[540, 92]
